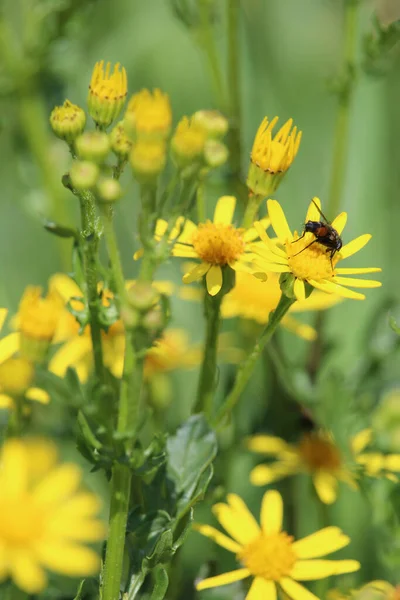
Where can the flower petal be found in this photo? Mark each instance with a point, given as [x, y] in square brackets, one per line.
[295, 590]
[9, 345]
[37, 395]
[310, 570]
[278, 220]
[265, 474]
[27, 573]
[196, 273]
[267, 444]
[3, 316]
[356, 270]
[183, 251]
[6, 402]
[220, 538]
[333, 288]
[223, 579]
[313, 213]
[223, 213]
[261, 589]
[236, 519]
[322, 542]
[70, 354]
[252, 234]
[271, 512]
[214, 280]
[317, 301]
[355, 245]
[361, 440]
[339, 222]
[326, 486]
[357, 283]
[304, 331]
[68, 558]
[65, 286]
[392, 462]
[299, 289]
[60, 483]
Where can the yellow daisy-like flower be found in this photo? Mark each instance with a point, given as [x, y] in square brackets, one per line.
[317, 454]
[271, 156]
[38, 317]
[44, 517]
[255, 299]
[310, 262]
[218, 244]
[149, 115]
[17, 374]
[107, 93]
[269, 554]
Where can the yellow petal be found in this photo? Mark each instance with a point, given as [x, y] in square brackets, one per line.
[317, 301]
[373, 462]
[218, 537]
[273, 268]
[326, 486]
[264, 474]
[81, 505]
[279, 222]
[224, 210]
[392, 462]
[261, 589]
[184, 233]
[299, 289]
[70, 354]
[65, 286]
[67, 558]
[327, 540]
[196, 273]
[334, 288]
[356, 270]
[182, 251]
[37, 395]
[27, 573]
[161, 228]
[61, 525]
[357, 283]
[267, 444]
[271, 512]
[3, 316]
[236, 519]
[269, 244]
[295, 590]
[14, 468]
[224, 579]
[355, 245]
[310, 570]
[214, 280]
[313, 213]
[361, 440]
[304, 331]
[252, 234]
[9, 345]
[58, 484]
[6, 402]
[339, 222]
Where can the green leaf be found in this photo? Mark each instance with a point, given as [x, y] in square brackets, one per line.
[161, 581]
[79, 593]
[61, 231]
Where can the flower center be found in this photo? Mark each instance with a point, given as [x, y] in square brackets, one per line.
[218, 244]
[312, 262]
[269, 556]
[318, 453]
[21, 522]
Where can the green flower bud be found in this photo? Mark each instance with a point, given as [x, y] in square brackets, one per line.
[142, 296]
[93, 146]
[109, 189]
[213, 122]
[83, 174]
[148, 160]
[121, 145]
[68, 121]
[215, 153]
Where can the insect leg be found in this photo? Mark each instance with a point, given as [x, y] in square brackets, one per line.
[301, 237]
[313, 242]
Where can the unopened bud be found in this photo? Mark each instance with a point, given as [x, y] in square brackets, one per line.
[121, 145]
[153, 320]
[108, 189]
[148, 160]
[187, 144]
[68, 121]
[107, 93]
[83, 174]
[93, 146]
[142, 296]
[214, 123]
[16, 376]
[215, 153]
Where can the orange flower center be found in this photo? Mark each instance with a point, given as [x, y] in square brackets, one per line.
[312, 262]
[21, 522]
[218, 244]
[269, 556]
[318, 453]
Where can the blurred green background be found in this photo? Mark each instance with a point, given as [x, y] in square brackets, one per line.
[290, 52]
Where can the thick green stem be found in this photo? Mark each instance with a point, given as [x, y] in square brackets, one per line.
[207, 380]
[341, 135]
[147, 224]
[245, 371]
[235, 110]
[251, 212]
[207, 41]
[89, 245]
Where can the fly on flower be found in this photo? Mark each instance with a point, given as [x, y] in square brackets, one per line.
[324, 233]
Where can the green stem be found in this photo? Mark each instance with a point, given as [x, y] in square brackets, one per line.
[341, 134]
[235, 109]
[208, 43]
[89, 237]
[251, 212]
[246, 370]
[207, 380]
[34, 122]
[147, 224]
[200, 203]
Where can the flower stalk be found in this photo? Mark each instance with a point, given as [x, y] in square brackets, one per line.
[235, 110]
[245, 371]
[251, 212]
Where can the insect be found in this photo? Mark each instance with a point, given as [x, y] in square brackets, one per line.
[324, 233]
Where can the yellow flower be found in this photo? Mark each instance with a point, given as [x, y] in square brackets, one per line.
[188, 142]
[107, 93]
[67, 121]
[269, 554]
[149, 115]
[44, 517]
[255, 299]
[271, 157]
[311, 263]
[218, 244]
[16, 373]
[317, 454]
[171, 351]
[147, 159]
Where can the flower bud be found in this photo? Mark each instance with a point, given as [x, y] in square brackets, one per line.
[109, 189]
[121, 145]
[83, 174]
[213, 122]
[67, 121]
[148, 160]
[187, 144]
[215, 153]
[142, 296]
[16, 376]
[93, 146]
[107, 93]
[153, 320]
[148, 116]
